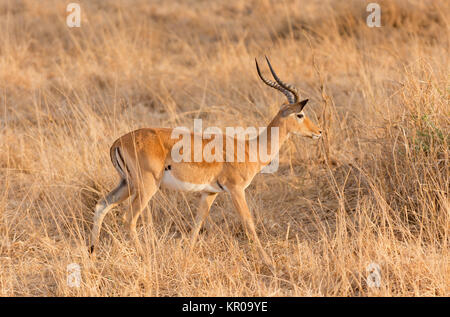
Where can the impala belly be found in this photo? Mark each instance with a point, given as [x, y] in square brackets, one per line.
[171, 182]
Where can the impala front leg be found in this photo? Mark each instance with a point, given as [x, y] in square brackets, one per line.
[240, 203]
[205, 204]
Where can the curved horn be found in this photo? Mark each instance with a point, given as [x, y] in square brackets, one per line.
[288, 87]
[275, 85]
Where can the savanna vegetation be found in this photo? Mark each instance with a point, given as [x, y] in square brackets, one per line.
[374, 189]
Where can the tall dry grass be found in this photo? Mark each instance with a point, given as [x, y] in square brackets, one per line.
[374, 189]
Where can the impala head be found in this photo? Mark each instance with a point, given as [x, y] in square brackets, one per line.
[292, 111]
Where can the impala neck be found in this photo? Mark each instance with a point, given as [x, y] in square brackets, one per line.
[283, 134]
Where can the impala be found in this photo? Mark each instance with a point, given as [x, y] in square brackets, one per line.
[144, 162]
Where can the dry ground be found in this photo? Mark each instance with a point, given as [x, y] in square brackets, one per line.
[374, 189]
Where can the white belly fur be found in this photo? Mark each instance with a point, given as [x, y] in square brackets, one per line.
[169, 181]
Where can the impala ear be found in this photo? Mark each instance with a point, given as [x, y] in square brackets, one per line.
[294, 108]
[302, 104]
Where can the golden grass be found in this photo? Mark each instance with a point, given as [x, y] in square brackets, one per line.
[374, 189]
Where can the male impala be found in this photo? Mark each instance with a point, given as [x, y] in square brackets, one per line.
[144, 162]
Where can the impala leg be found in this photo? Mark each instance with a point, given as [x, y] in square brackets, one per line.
[115, 197]
[205, 204]
[239, 201]
[140, 201]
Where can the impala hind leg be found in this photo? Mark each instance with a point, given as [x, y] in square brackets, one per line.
[205, 204]
[115, 197]
[141, 198]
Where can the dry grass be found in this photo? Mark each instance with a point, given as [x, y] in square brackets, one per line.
[375, 189]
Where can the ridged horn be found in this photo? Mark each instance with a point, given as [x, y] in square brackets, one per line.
[286, 86]
[272, 84]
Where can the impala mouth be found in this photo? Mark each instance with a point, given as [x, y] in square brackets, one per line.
[316, 136]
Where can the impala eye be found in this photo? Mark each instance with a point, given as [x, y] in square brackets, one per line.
[300, 115]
